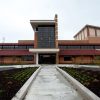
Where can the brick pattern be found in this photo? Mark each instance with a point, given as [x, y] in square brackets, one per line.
[77, 60]
[56, 31]
[35, 40]
[14, 60]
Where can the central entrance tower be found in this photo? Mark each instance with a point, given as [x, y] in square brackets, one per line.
[46, 40]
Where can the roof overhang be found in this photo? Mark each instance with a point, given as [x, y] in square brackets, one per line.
[35, 23]
[44, 50]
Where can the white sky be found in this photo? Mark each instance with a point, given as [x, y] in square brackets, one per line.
[15, 16]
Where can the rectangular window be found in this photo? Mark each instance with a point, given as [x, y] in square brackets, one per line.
[16, 47]
[46, 37]
[7, 47]
[27, 58]
[87, 47]
[22, 47]
[78, 47]
[62, 47]
[97, 47]
[30, 46]
[0, 47]
[73, 47]
[67, 58]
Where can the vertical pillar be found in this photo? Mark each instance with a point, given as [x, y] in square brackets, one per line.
[34, 58]
[35, 40]
[37, 58]
[56, 31]
[57, 58]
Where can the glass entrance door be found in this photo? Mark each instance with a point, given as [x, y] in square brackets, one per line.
[47, 58]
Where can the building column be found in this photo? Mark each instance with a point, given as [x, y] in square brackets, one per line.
[37, 58]
[34, 58]
[57, 58]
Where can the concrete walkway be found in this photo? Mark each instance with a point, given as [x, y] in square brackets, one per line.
[51, 85]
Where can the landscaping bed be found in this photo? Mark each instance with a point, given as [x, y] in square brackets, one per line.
[12, 80]
[88, 77]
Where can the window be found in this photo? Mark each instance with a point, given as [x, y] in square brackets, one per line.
[67, 58]
[0, 47]
[27, 58]
[36, 28]
[7, 47]
[87, 47]
[62, 47]
[46, 37]
[69, 47]
[16, 47]
[97, 47]
[21, 47]
[30, 46]
[78, 47]
[73, 47]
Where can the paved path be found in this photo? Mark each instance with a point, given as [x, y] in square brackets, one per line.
[51, 85]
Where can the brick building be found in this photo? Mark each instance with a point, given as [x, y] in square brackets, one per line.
[47, 49]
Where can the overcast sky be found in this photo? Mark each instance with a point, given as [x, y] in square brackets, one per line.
[15, 16]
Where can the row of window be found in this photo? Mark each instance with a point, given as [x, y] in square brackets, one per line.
[80, 47]
[16, 47]
[20, 58]
[42, 44]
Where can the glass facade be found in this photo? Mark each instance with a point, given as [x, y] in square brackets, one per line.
[46, 37]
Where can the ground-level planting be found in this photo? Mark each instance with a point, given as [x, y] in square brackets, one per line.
[88, 77]
[12, 80]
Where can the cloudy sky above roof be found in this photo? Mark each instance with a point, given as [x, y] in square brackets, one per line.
[15, 16]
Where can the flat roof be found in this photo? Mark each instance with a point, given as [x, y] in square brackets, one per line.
[53, 50]
[35, 23]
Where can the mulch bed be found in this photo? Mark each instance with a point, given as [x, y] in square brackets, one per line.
[88, 77]
[12, 80]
